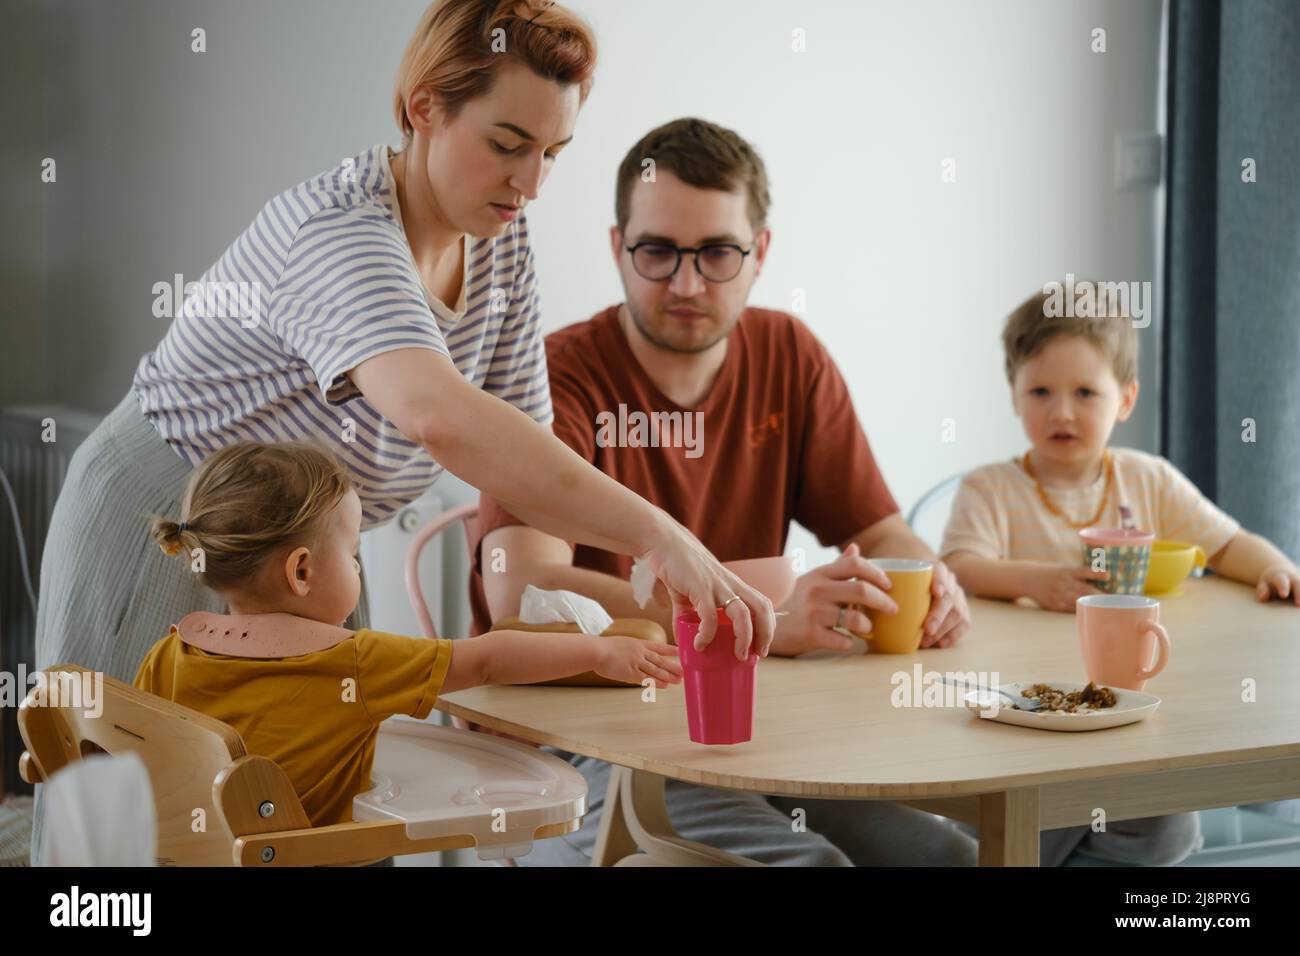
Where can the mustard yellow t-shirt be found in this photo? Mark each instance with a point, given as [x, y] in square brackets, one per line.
[316, 715]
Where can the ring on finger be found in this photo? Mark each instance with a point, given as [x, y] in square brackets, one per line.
[726, 603]
[839, 627]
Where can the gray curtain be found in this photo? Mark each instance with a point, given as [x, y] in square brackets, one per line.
[1232, 297]
[1232, 294]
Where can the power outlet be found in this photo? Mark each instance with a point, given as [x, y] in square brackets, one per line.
[1138, 159]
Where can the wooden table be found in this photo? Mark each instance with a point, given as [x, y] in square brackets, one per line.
[1227, 732]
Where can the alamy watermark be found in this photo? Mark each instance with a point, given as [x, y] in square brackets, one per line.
[1086, 299]
[921, 688]
[209, 300]
[129, 910]
[651, 430]
[82, 690]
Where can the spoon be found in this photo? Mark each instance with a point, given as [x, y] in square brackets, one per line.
[1023, 703]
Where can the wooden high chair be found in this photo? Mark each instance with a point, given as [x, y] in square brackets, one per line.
[217, 805]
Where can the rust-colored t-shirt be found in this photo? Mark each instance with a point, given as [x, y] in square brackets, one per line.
[775, 440]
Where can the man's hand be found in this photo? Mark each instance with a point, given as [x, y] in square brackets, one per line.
[949, 617]
[814, 609]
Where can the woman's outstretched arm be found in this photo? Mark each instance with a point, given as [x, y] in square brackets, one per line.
[499, 450]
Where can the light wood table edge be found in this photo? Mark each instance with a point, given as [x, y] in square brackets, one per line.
[933, 790]
[635, 815]
[1145, 794]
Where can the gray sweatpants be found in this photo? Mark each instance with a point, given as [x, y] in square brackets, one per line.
[849, 832]
[108, 593]
[1145, 841]
[838, 832]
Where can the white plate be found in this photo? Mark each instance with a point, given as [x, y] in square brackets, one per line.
[1130, 707]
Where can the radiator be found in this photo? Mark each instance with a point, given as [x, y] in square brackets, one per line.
[35, 470]
[383, 558]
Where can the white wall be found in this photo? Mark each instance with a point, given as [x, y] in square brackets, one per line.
[907, 279]
[165, 155]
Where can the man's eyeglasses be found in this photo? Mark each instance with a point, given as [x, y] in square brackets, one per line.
[657, 261]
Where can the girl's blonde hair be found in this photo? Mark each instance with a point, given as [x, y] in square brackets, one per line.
[459, 44]
[247, 501]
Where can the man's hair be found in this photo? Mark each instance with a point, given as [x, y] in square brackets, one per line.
[700, 154]
[1029, 329]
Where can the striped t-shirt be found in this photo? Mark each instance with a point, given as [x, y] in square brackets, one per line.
[998, 514]
[322, 280]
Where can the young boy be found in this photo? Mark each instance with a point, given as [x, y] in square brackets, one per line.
[1013, 532]
[1014, 527]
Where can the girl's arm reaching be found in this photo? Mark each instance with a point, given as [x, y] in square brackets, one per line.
[516, 657]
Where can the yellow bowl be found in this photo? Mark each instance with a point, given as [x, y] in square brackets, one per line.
[1171, 562]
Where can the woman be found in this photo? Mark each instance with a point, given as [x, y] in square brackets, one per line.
[349, 339]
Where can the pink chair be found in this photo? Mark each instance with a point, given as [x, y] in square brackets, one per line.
[465, 514]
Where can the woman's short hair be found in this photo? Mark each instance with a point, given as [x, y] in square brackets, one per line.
[459, 44]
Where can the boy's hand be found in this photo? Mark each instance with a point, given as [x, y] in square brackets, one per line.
[632, 660]
[1282, 580]
[1057, 587]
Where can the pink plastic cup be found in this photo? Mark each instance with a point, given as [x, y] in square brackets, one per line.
[719, 688]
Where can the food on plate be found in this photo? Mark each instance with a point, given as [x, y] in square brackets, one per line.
[1053, 700]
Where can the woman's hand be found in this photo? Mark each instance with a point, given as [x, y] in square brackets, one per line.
[695, 580]
[632, 660]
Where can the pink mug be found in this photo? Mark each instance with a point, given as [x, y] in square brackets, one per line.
[1120, 635]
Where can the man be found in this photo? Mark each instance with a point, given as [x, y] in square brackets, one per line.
[736, 422]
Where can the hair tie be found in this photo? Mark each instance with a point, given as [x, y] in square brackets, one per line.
[490, 7]
[540, 12]
[181, 527]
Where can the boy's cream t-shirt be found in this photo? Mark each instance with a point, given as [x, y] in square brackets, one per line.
[997, 512]
[316, 715]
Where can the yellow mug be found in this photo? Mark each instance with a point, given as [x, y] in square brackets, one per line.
[910, 589]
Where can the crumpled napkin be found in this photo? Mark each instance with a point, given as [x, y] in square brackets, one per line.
[563, 607]
[643, 581]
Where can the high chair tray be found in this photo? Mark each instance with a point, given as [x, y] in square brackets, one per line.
[441, 781]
